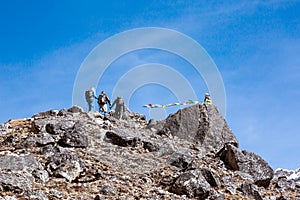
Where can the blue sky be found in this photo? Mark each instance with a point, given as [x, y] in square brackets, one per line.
[255, 45]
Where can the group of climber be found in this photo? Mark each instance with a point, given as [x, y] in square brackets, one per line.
[103, 100]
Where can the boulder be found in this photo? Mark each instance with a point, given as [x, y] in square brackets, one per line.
[166, 148]
[74, 138]
[121, 138]
[191, 183]
[150, 146]
[24, 165]
[75, 109]
[151, 123]
[108, 190]
[247, 162]
[181, 159]
[45, 114]
[202, 124]
[65, 165]
[14, 182]
[57, 127]
[62, 112]
[17, 163]
[44, 139]
[124, 139]
[230, 187]
[210, 177]
[28, 143]
[251, 191]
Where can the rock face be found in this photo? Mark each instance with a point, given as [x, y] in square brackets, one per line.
[72, 154]
[247, 162]
[201, 124]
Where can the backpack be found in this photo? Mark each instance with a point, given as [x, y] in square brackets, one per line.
[102, 99]
[89, 94]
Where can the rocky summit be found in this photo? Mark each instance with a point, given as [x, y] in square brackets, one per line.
[192, 154]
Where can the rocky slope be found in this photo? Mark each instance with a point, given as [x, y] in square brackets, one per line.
[193, 154]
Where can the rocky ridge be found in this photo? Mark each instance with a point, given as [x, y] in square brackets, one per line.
[193, 154]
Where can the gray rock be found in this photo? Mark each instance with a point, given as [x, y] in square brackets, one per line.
[17, 163]
[251, 191]
[36, 195]
[71, 131]
[181, 159]
[75, 109]
[124, 139]
[28, 164]
[44, 139]
[230, 187]
[247, 162]
[155, 125]
[14, 183]
[58, 127]
[27, 143]
[45, 114]
[247, 177]
[39, 124]
[62, 112]
[192, 184]
[150, 146]
[120, 138]
[133, 115]
[166, 147]
[65, 165]
[43, 175]
[108, 190]
[210, 177]
[74, 139]
[202, 124]
[48, 150]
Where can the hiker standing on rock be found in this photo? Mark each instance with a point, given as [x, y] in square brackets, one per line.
[207, 98]
[102, 102]
[90, 96]
[120, 107]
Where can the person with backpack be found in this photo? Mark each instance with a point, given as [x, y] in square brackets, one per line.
[120, 107]
[207, 98]
[90, 96]
[102, 102]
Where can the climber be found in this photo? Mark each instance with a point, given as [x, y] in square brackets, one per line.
[207, 98]
[90, 96]
[102, 102]
[120, 107]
